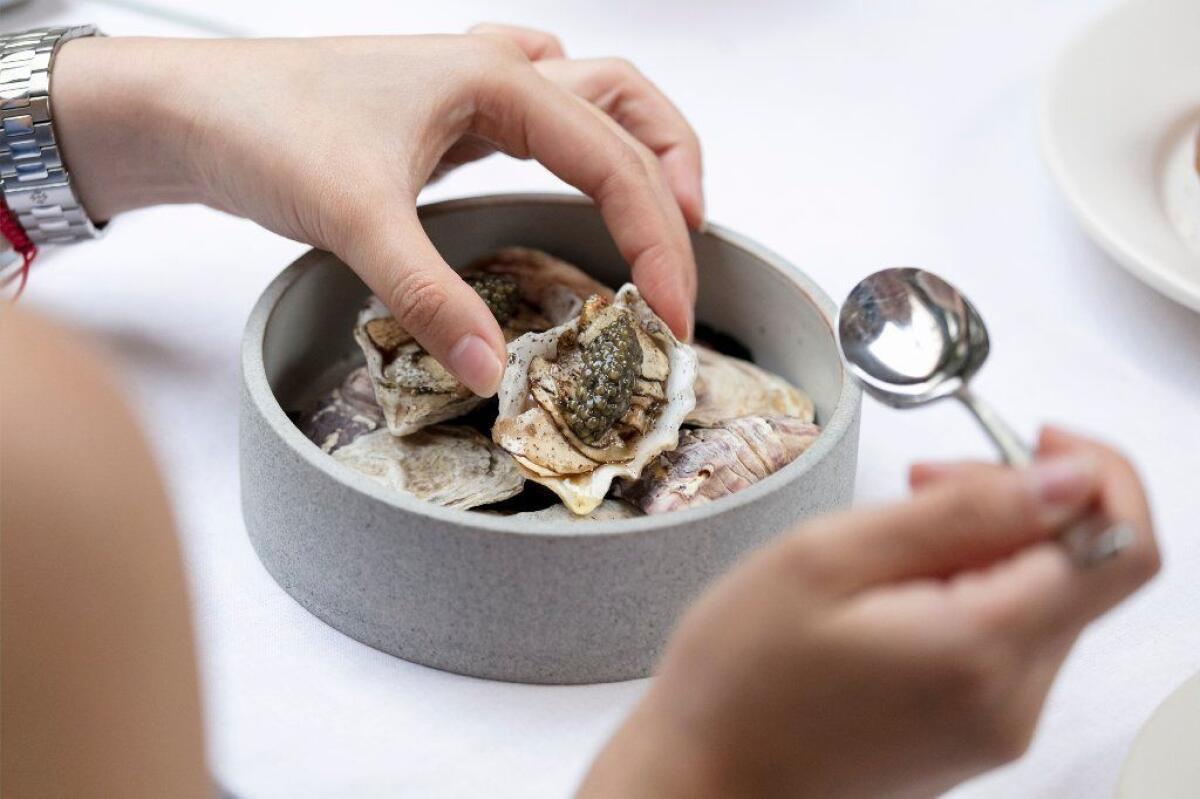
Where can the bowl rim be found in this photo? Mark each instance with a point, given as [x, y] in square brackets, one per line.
[260, 393]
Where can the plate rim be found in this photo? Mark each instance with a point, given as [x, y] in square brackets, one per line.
[1144, 268]
[1125, 789]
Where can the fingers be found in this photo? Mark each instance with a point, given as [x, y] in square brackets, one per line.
[981, 516]
[402, 267]
[621, 91]
[528, 116]
[1042, 590]
[1122, 500]
[922, 475]
[534, 43]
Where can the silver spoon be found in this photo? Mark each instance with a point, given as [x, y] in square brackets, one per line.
[911, 338]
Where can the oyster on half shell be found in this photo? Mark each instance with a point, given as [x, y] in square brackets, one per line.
[447, 465]
[526, 290]
[595, 398]
[715, 462]
[727, 388]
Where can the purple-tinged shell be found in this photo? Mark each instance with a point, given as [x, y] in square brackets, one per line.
[715, 462]
[344, 414]
[729, 388]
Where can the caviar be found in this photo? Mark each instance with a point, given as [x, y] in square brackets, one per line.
[499, 292]
[601, 395]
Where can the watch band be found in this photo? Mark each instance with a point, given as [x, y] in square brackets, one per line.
[35, 183]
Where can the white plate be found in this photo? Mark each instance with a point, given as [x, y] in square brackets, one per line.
[1118, 119]
[1163, 762]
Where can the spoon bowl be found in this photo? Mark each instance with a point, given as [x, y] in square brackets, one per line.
[910, 337]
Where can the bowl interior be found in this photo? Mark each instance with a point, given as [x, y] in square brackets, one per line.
[744, 291]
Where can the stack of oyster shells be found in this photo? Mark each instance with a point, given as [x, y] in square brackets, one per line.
[692, 425]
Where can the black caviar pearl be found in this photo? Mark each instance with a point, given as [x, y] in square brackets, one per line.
[610, 363]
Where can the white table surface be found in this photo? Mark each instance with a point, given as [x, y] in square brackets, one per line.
[847, 136]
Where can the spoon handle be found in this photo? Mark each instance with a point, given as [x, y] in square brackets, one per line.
[1014, 451]
[1090, 540]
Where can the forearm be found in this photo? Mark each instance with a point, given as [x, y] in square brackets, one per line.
[99, 686]
[125, 129]
[650, 757]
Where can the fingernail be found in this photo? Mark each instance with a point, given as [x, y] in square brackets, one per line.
[476, 365]
[1062, 486]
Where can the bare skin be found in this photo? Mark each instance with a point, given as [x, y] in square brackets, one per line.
[329, 141]
[892, 651]
[97, 672]
[887, 651]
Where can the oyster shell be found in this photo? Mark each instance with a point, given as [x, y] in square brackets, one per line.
[558, 382]
[714, 462]
[412, 388]
[547, 285]
[728, 388]
[344, 414]
[446, 465]
[527, 290]
[608, 510]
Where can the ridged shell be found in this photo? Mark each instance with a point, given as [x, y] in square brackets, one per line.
[728, 388]
[715, 462]
[344, 414]
[526, 430]
[446, 465]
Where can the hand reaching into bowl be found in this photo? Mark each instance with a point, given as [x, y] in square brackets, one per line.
[894, 651]
[329, 141]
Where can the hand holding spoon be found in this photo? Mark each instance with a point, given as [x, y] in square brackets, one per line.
[911, 338]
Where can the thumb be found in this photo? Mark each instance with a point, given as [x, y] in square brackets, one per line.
[402, 267]
[983, 514]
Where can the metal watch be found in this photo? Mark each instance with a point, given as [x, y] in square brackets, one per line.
[34, 181]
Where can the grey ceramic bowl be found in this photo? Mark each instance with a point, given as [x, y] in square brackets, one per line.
[483, 595]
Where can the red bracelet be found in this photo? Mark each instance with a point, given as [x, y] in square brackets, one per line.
[11, 229]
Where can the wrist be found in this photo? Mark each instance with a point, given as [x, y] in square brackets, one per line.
[125, 132]
[649, 756]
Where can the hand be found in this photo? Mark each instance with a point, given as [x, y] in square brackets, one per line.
[329, 141]
[893, 651]
[617, 88]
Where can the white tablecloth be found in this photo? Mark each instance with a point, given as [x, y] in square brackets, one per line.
[847, 136]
